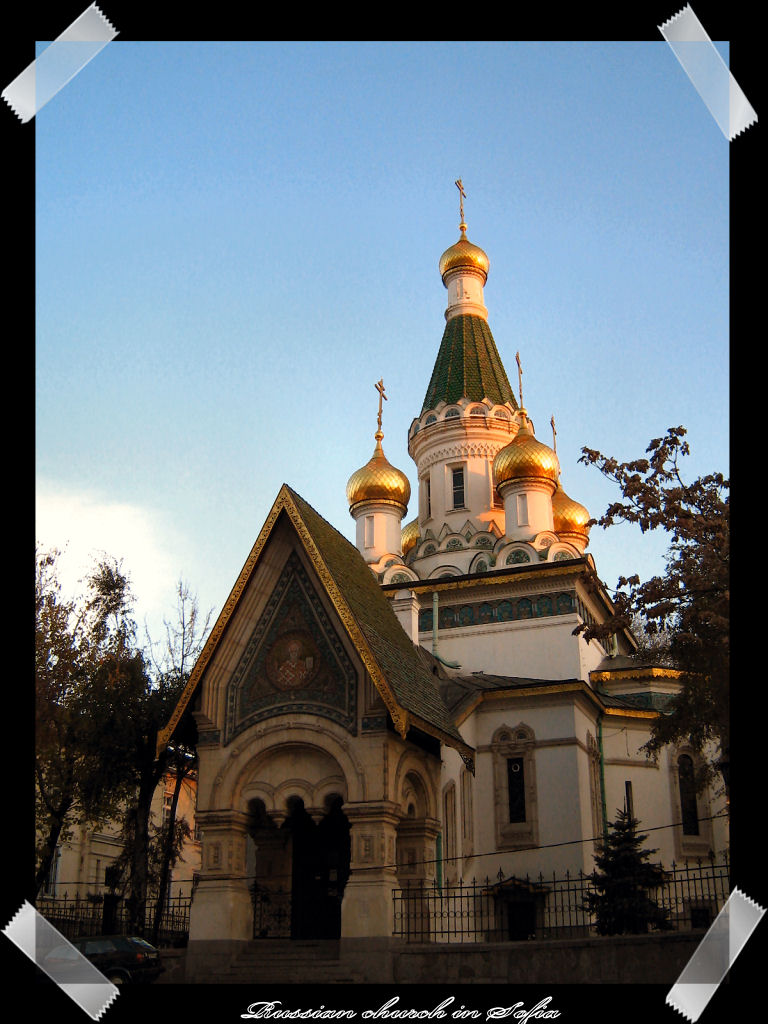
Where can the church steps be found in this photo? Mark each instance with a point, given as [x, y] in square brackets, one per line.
[291, 962]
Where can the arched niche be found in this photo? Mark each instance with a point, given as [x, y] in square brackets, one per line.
[312, 759]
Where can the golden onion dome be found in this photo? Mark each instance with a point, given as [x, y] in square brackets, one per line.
[378, 480]
[410, 536]
[568, 515]
[464, 254]
[525, 458]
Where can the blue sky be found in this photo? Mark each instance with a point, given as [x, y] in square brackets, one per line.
[236, 240]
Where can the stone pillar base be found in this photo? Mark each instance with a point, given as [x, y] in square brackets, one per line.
[367, 909]
[221, 909]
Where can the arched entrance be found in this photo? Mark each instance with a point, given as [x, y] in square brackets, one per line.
[300, 870]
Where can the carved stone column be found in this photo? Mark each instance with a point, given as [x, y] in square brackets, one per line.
[221, 908]
[367, 909]
[416, 853]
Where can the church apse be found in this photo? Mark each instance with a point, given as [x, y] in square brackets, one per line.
[294, 661]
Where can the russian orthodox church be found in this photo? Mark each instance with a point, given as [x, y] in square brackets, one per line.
[417, 706]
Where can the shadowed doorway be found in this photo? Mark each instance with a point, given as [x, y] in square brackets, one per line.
[320, 858]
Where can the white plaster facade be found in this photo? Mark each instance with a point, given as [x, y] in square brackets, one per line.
[81, 859]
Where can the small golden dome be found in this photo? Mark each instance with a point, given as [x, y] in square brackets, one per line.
[464, 254]
[568, 515]
[525, 458]
[378, 480]
[410, 536]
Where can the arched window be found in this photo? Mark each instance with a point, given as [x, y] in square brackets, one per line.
[449, 819]
[467, 830]
[688, 806]
[515, 798]
[694, 836]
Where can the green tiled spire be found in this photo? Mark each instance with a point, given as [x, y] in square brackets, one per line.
[468, 365]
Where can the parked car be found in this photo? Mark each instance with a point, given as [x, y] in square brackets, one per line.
[122, 959]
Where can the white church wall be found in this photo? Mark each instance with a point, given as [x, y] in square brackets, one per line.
[536, 648]
[557, 797]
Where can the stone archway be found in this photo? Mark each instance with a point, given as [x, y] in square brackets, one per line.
[416, 831]
[320, 862]
[298, 846]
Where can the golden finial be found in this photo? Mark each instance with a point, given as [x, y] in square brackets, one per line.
[554, 434]
[462, 197]
[380, 388]
[520, 378]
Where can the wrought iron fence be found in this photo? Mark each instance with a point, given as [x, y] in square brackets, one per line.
[514, 909]
[271, 913]
[80, 916]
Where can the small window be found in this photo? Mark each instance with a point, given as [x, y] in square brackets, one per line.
[516, 778]
[369, 531]
[688, 806]
[629, 803]
[452, 414]
[466, 811]
[449, 804]
[167, 802]
[522, 510]
[99, 946]
[518, 556]
[62, 953]
[458, 487]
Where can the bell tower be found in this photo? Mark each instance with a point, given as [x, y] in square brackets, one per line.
[467, 417]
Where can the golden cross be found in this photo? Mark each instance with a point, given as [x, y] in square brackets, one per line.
[554, 434]
[380, 389]
[519, 377]
[462, 197]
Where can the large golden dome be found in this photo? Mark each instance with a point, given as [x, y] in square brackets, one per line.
[525, 458]
[568, 515]
[464, 254]
[410, 536]
[378, 480]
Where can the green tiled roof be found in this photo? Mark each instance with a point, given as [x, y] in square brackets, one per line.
[468, 365]
[414, 688]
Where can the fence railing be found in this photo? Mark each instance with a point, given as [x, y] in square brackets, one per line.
[514, 909]
[80, 916]
[271, 913]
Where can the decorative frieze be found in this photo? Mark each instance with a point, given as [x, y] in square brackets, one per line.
[509, 609]
[374, 723]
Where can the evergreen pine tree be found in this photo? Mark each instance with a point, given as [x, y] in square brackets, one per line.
[623, 880]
